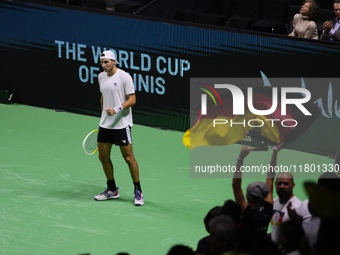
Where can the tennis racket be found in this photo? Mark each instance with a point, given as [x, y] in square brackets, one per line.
[90, 146]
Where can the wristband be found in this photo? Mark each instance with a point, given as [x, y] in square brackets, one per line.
[118, 109]
[239, 158]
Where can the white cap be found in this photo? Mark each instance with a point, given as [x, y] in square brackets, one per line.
[108, 55]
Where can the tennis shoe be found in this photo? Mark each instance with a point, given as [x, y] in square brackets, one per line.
[107, 194]
[139, 200]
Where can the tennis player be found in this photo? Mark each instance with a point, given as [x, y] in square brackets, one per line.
[117, 98]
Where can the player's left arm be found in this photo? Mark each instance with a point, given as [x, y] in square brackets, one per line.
[130, 101]
[129, 91]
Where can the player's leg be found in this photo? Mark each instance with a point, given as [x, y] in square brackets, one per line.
[104, 149]
[129, 158]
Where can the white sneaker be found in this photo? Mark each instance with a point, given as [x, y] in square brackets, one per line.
[139, 200]
[107, 194]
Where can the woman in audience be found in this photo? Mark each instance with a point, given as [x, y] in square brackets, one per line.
[304, 23]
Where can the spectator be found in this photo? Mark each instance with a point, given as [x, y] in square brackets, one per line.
[304, 23]
[230, 208]
[324, 198]
[256, 211]
[290, 235]
[330, 28]
[203, 246]
[181, 250]
[309, 220]
[284, 185]
[308, 215]
[222, 237]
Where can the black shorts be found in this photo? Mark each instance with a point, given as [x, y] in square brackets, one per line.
[115, 136]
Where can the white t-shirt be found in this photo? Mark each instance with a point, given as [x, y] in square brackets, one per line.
[281, 215]
[114, 90]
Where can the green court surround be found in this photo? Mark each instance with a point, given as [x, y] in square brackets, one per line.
[47, 185]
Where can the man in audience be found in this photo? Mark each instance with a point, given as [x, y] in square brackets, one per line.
[331, 31]
[284, 185]
[284, 188]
